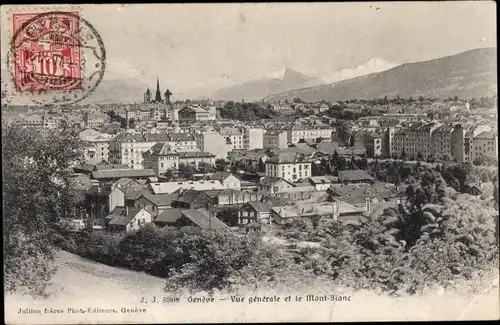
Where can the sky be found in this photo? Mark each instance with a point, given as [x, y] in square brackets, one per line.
[196, 48]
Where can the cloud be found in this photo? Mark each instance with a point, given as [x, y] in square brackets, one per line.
[119, 68]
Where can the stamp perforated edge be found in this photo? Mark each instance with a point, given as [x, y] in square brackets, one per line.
[8, 11]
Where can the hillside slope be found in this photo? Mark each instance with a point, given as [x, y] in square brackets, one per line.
[468, 74]
[253, 90]
[80, 283]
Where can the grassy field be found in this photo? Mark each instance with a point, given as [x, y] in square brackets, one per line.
[80, 282]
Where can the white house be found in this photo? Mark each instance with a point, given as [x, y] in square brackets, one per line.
[228, 180]
[127, 219]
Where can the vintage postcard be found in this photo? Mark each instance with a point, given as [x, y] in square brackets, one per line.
[250, 162]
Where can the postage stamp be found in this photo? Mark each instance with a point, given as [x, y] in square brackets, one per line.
[47, 56]
[56, 57]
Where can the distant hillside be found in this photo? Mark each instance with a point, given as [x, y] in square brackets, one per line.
[468, 74]
[117, 91]
[372, 66]
[283, 80]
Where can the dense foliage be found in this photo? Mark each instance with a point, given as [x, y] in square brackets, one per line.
[405, 252]
[246, 111]
[428, 239]
[36, 167]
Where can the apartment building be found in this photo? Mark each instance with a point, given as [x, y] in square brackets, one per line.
[150, 111]
[288, 165]
[403, 117]
[298, 132]
[195, 113]
[464, 141]
[160, 158]
[93, 120]
[183, 142]
[253, 138]
[97, 144]
[443, 142]
[213, 142]
[127, 149]
[414, 140]
[233, 136]
[275, 139]
[373, 144]
[42, 121]
[485, 145]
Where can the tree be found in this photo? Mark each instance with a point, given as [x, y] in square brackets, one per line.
[36, 170]
[131, 123]
[205, 168]
[342, 130]
[318, 169]
[169, 174]
[214, 260]
[221, 165]
[440, 191]
[186, 171]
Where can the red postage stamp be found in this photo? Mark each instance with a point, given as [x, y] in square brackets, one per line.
[47, 53]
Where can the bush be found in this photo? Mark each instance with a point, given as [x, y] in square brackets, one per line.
[211, 261]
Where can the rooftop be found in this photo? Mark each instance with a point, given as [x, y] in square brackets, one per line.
[104, 174]
[122, 215]
[284, 157]
[203, 219]
[159, 199]
[220, 176]
[170, 187]
[195, 154]
[486, 135]
[354, 175]
[170, 215]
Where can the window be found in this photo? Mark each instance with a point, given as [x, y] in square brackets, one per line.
[161, 165]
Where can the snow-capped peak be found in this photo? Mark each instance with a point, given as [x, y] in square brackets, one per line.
[280, 74]
[372, 66]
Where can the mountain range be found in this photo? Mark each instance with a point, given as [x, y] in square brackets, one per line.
[468, 74]
[372, 66]
[280, 81]
[288, 79]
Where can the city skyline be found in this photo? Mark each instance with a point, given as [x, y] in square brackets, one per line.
[241, 42]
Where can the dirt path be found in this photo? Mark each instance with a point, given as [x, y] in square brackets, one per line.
[83, 283]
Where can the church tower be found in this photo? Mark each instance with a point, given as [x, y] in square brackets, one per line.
[167, 96]
[158, 93]
[147, 96]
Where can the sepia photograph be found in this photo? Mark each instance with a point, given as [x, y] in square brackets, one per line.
[250, 162]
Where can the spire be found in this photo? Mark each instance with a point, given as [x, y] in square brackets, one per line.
[158, 93]
[167, 96]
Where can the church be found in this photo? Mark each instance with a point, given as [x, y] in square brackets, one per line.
[157, 99]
